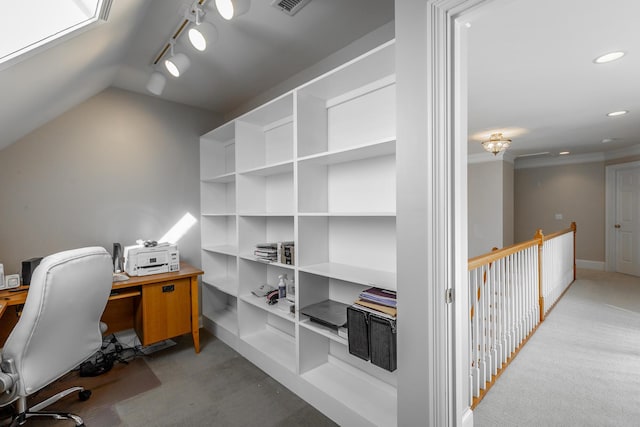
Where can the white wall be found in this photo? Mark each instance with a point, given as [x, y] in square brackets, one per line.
[490, 215]
[117, 167]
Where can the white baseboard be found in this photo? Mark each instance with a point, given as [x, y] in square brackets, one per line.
[467, 418]
[590, 265]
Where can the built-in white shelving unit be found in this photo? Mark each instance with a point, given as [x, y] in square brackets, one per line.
[315, 166]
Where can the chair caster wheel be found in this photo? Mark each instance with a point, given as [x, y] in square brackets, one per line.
[84, 395]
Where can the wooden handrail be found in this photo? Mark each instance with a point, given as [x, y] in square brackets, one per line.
[559, 233]
[499, 254]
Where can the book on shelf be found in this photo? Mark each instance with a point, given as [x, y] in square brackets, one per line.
[286, 253]
[379, 296]
[379, 309]
[266, 252]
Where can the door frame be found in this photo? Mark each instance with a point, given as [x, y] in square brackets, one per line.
[431, 154]
[610, 212]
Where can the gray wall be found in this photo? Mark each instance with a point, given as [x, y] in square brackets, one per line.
[577, 191]
[490, 206]
[118, 167]
[508, 204]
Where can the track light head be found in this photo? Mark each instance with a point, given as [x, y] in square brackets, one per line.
[229, 9]
[202, 36]
[156, 83]
[177, 64]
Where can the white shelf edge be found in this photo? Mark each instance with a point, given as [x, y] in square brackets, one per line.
[362, 90]
[222, 284]
[249, 257]
[222, 249]
[377, 148]
[371, 398]
[271, 169]
[227, 319]
[320, 330]
[354, 274]
[210, 214]
[284, 214]
[261, 303]
[274, 345]
[277, 123]
[222, 179]
[348, 214]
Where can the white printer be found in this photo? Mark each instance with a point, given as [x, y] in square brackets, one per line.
[141, 260]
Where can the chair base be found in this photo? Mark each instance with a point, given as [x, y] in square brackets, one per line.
[37, 410]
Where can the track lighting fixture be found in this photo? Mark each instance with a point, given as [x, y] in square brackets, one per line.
[156, 83]
[177, 63]
[202, 33]
[230, 9]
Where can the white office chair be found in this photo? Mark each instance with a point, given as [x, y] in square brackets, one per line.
[59, 328]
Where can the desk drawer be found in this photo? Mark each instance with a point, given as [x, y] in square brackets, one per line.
[165, 311]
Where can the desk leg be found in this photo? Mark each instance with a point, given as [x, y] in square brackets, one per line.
[195, 324]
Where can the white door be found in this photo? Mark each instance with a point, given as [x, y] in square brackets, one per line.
[627, 221]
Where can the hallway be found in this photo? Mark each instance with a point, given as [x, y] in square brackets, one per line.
[582, 365]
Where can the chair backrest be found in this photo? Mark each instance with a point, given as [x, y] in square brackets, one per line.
[60, 322]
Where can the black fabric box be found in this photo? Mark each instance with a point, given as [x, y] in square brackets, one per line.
[383, 341]
[357, 325]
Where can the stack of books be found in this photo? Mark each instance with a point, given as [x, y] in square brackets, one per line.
[286, 253]
[379, 300]
[266, 252]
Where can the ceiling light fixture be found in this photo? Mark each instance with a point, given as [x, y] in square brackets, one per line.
[496, 143]
[563, 153]
[203, 33]
[230, 9]
[156, 83]
[617, 113]
[177, 63]
[608, 57]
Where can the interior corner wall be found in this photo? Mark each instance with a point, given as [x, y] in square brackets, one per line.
[508, 195]
[485, 207]
[119, 167]
[575, 191]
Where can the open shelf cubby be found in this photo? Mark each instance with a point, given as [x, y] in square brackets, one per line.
[269, 333]
[265, 136]
[220, 307]
[219, 234]
[218, 154]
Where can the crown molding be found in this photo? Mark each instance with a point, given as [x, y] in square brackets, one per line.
[558, 161]
[634, 150]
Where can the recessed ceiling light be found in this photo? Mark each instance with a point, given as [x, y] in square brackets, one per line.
[563, 153]
[617, 113]
[608, 57]
[608, 140]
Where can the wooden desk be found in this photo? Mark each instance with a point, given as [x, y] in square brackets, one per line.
[157, 307]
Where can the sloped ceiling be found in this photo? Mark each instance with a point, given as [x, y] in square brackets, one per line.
[254, 52]
[43, 86]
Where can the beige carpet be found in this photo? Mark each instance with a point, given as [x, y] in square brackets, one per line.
[581, 367]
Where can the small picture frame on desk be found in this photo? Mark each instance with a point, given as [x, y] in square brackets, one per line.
[12, 281]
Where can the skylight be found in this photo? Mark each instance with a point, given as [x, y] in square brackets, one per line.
[28, 26]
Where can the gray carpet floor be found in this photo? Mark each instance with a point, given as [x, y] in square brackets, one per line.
[217, 387]
[581, 367]
[177, 387]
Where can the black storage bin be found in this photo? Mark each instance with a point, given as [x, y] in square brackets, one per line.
[357, 325]
[382, 339]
